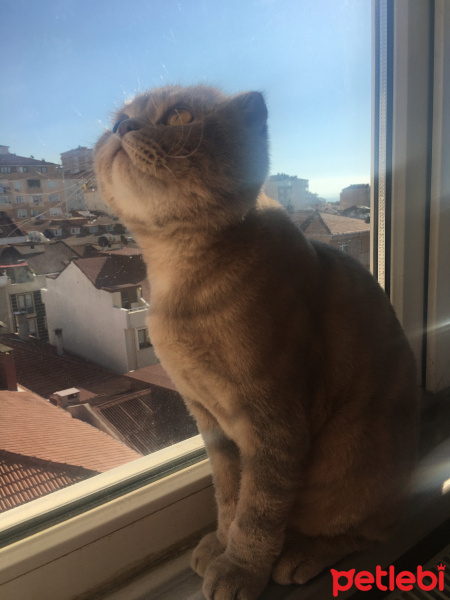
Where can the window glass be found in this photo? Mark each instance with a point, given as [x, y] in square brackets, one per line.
[312, 61]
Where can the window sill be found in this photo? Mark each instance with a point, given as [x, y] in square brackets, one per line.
[115, 537]
[428, 510]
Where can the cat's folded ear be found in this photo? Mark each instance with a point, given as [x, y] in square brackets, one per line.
[253, 108]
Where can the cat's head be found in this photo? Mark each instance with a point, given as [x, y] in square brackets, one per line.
[184, 154]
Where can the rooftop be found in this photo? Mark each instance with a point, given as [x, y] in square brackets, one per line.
[42, 258]
[115, 269]
[315, 223]
[40, 369]
[144, 416]
[31, 426]
[8, 159]
[23, 478]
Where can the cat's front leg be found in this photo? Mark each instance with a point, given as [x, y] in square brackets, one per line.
[269, 485]
[225, 461]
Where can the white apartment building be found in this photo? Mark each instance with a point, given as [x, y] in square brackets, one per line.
[97, 308]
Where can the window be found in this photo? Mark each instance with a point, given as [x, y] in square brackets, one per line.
[75, 230]
[22, 169]
[55, 212]
[143, 339]
[93, 229]
[5, 199]
[52, 183]
[129, 297]
[25, 302]
[20, 199]
[22, 213]
[53, 197]
[33, 183]
[5, 169]
[57, 232]
[4, 186]
[18, 185]
[409, 191]
[35, 213]
[41, 169]
[36, 199]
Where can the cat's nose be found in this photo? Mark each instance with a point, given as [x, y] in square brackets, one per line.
[125, 125]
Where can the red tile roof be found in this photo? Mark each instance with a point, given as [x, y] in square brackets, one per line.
[148, 420]
[31, 426]
[154, 374]
[315, 223]
[40, 369]
[23, 478]
[115, 269]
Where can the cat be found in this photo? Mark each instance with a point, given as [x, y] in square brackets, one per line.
[286, 350]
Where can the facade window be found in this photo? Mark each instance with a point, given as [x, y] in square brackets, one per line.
[25, 302]
[18, 185]
[34, 212]
[55, 211]
[41, 169]
[53, 197]
[22, 169]
[52, 183]
[93, 229]
[20, 199]
[75, 230]
[345, 247]
[36, 199]
[4, 186]
[5, 169]
[34, 183]
[57, 232]
[5, 199]
[22, 213]
[143, 339]
[129, 297]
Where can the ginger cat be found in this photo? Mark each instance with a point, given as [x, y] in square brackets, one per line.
[285, 350]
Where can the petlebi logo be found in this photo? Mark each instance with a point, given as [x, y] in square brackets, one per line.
[388, 579]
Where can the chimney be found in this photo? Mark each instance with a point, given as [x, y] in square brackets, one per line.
[65, 398]
[8, 380]
[59, 342]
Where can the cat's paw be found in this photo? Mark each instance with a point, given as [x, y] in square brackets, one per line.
[226, 580]
[206, 550]
[293, 566]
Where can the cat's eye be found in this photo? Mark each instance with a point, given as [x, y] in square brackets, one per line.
[179, 116]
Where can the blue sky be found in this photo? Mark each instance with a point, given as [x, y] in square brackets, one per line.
[69, 63]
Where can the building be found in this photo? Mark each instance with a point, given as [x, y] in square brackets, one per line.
[23, 267]
[349, 235]
[97, 308]
[293, 193]
[355, 195]
[30, 187]
[74, 186]
[10, 233]
[93, 198]
[78, 160]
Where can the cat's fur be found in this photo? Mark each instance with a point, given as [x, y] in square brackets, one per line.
[286, 351]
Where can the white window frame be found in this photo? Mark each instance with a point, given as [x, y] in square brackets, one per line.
[22, 213]
[20, 199]
[125, 531]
